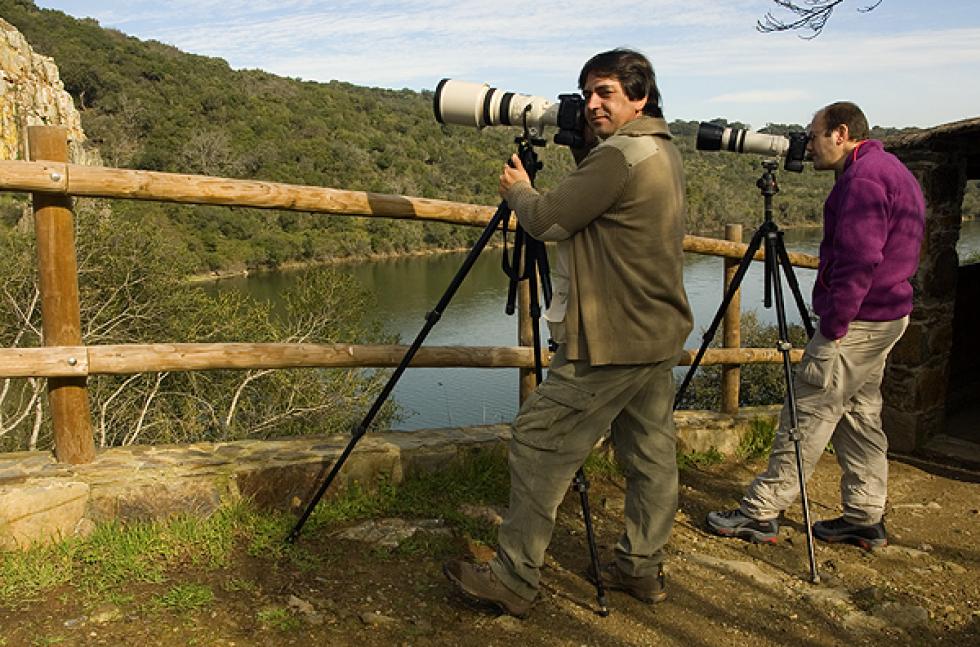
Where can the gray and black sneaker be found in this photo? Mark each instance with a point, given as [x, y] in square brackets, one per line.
[841, 530]
[732, 523]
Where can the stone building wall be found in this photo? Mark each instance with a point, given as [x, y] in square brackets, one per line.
[916, 378]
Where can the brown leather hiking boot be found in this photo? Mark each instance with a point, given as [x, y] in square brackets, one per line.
[650, 589]
[478, 583]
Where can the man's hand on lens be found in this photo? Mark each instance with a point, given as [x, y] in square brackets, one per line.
[512, 174]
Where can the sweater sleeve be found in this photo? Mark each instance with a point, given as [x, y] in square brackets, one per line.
[859, 241]
[582, 196]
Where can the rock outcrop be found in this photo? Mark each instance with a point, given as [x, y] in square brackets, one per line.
[32, 93]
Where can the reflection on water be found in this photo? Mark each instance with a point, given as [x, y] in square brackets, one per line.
[406, 288]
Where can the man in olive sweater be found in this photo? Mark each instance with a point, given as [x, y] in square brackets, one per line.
[620, 317]
[874, 220]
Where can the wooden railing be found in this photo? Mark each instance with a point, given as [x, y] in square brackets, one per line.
[67, 363]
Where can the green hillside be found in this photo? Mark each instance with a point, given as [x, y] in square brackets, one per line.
[150, 106]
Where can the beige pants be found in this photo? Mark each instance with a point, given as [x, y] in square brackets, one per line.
[838, 398]
[554, 432]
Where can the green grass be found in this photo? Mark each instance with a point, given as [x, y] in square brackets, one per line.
[118, 554]
[278, 618]
[758, 441]
[235, 584]
[43, 641]
[480, 477]
[696, 460]
[601, 464]
[184, 598]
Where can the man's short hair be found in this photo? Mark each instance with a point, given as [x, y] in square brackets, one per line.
[848, 114]
[632, 70]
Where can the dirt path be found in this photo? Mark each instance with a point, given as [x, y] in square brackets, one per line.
[923, 589]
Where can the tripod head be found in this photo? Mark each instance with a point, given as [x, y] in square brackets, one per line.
[529, 260]
[768, 186]
[525, 149]
[767, 182]
[527, 154]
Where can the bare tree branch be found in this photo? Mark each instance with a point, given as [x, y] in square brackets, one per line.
[39, 414]
[250, 376]
[811, 15]
[29, 407]
[146, 407]
[104, 409]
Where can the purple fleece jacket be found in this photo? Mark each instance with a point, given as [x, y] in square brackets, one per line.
[874, 219]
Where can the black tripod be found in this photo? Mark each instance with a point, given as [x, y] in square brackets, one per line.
[529, 261]
[775, 256]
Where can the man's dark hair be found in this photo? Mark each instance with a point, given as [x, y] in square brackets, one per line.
[632, 70]
[848, 114]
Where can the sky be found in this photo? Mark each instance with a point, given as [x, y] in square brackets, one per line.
[906, 63]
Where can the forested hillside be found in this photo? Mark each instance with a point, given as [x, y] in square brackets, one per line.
[150, 106]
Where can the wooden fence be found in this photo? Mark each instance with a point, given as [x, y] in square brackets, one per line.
[66, 363]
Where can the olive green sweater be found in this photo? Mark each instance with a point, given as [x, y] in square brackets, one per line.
[622, 212]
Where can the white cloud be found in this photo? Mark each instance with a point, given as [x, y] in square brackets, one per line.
[706, 52]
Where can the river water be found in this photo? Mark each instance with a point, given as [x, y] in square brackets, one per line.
[406, 288]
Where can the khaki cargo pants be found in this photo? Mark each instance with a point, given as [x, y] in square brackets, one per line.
[553, 433]
[838, 400]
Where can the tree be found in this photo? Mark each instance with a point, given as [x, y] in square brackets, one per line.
[811, 15]
[133, 289]
[759, 384]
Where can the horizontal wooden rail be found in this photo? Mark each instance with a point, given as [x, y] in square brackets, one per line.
[52, 180]
[728, 249]
[102, 182]
[126, 359]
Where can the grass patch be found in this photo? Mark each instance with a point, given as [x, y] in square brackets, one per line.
[480, 477]
[278, 618]
[235, 584]
[698, 460]
[184, 598]
[602, 464]
[758, 441]
[119, 554]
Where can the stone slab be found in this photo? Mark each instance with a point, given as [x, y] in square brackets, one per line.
[44, 510]
[42, 499]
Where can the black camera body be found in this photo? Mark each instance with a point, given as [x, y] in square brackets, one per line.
[571, 120]
[796, 152]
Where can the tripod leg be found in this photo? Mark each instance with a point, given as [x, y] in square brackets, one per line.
[581, 484]
[772, 269]
[794, 285]
[544, 271]
[579, 481]
[514, 270]
[743, 267]
[430, 320]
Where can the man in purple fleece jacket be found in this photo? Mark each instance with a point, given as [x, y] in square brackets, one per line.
[873, 226]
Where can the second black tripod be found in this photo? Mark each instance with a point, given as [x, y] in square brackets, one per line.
[775, 256]
[529, 262]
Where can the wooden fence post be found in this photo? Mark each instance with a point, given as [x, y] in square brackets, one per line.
[731, 334]
[60, 315]
[525, 337]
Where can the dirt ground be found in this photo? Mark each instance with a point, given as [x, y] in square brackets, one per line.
[923, 589]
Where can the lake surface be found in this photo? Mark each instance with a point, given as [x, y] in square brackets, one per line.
[406, 288]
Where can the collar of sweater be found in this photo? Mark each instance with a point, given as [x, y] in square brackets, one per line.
[644, 125]
[866, 146]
